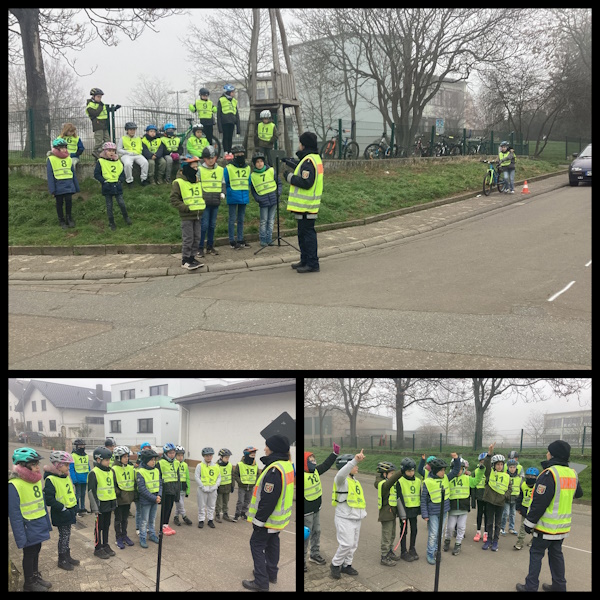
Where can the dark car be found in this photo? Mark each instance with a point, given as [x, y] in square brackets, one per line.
[581, 167]
[31, 437]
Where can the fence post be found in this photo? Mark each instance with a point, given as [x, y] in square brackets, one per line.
[521, 446]
[339, 144]
[413, 442]
[441, 445]
[32, 132]
[583, 440]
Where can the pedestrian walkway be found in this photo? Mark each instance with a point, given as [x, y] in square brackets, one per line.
[106, 262]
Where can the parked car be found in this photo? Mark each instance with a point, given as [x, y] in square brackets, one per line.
[581, 167]
[31, 437]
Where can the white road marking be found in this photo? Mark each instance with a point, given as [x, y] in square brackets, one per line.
[561, 291]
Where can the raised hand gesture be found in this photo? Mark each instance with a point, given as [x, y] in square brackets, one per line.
[360, 456]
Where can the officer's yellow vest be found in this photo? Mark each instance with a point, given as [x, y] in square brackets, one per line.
[307, 201]
[209, 473]
[265, 131]
[31, 498]
[312, 486]
[557, 518]
[459, 487]
[171, 143]
[411, 491]
[191, 194]
[169, 469]
[226, 471]
[228, 106]
[264, 182]
[124, 477]
[204, 108]
[195, 145]
[81, 463]
[392, 499]
[355, 498]
[499, 481]
[61, 167]
[282, 513]
[65, 493]
[211, 179]
[238, 177]
[94, 105]
[71, 143]
[527, 494]
[434, 487]
[248, 473]
[105, 489]
[111, 169]
[151, 144]
[132, 144]
[151, 479]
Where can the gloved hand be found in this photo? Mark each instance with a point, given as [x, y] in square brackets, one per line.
[222, 196]
[290, 162]
[117, 106]
[288, 176]
[174, 155]
[336, 448]
[527, 528]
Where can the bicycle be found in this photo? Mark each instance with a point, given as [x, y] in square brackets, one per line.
[186, 135]
[492, 177]
[380, 149]
[350, 149]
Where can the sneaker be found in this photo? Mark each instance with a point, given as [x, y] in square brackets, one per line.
[317, 558]
[200, 253]
[190, 264]
[128, 541]
[112, 226]
[502, 532]
[244, 244]
[232, 243]
[120, 544]
[200, 524]
[477, 537]
[100, 553]
[62, 224]
[486, 545]
[211, 250]
[514, 532]
[211, 524]
[518, 547]
[456, 549]
[143, 543]
[176, 521]
[70, 221]
[485, 536]
[349, 570]
[495, 546]
[168, 531]
[186, 520]
[145, 182]
[109, 550]
[446, 545]
[153, 538]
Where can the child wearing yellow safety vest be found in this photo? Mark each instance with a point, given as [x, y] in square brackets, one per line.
[184, 479]
[62, 180]
[208, 478]
[497, 491]
[408, 490]
[524, 502]
[266, 135]
[59, 494]
[150, 488]
[245, 473]
[210, 175]
[460, 501]
[226, 486]
[29, 520]
[389, 509]
[350, 509]
[124, 476]
[265, 186]
[103, 500]
[237, 185]
[509, 507]
[431, 501]
[169, 472]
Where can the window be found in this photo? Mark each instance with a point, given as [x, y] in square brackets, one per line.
[159, 390]
[115, 426]
[127, 394]
[33, 406]
[40, 426]
[52, 425]
[43, 405]
[145, 426]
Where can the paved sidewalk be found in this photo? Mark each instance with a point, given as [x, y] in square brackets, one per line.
[27, 263]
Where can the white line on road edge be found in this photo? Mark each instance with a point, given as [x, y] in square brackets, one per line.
[580, 550]
[561, 291]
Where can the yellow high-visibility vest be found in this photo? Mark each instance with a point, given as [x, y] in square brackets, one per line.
[211, 179]
[312, 486]
[238, 177]
[65, 492]
[203, 108]
[105, 489]
[132, 144]
[226, 471]
[111, 169]
[228, 106]
[191, 194]
[124, 477]
[265, 131]
[248, 473]
[94, 105]
[355, 498]
[393, 497]
[557, 518]
[151, 479]
[434, 487]
[411, 491]
[169, 469]
[208, 474]
[71, 143]
[499, 481]
[61, 167]
[31, 498]
[81, 463]
[264, 182]
[307, 201]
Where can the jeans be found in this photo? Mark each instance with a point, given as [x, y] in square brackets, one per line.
[148, 516]
[240, 209]
[267, 218]
[509, 180]
[432, 533]
[209, 222]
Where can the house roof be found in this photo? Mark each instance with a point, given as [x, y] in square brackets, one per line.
[244, 389]
[66, 396]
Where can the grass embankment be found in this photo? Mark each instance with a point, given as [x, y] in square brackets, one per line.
[348, 195]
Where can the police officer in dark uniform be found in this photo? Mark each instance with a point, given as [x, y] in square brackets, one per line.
[549, 517]
[272, 489]
[306, 187]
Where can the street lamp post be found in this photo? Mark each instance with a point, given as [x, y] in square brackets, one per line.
[177, 92]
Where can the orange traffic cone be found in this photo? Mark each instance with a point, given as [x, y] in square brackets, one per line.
[525, 188]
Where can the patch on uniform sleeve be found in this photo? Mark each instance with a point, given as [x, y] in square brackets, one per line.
[540, 489]
[269, 487]
[305, 174]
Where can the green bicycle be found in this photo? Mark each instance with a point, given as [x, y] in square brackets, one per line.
[188, 133]
[492, 177]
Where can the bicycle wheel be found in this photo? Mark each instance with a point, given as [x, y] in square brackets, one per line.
[487, 183]
[327, 149]
[216, 144]
[373, 151]
[501, 183]
[351, 151]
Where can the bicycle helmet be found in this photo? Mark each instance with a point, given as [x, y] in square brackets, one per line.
[437, 464]
[237, 149]
[189, 158]
[504, 143]
[429, 459]
[204, 92]
[249, 449]
[25, 456]
[78, 442]
[109, 146]
[224, 452]
[110, 441]
[228, 87]
[258, 154]
[208, 152]
[168, 447]
[169, 126]
[482, 456]
[497, 458]
[179, 450]
[96, 92]
[511, 462]
[513, 454]
[144, 445]
[59, 142]
[197, 127]
[265, 114]
[532, 471]
[340, 461]
[147, 454]
[206, 451]
[149, 127]
[100, 453]
[121, 451]
[385, 467]
[407, 464]
[60, 457]
[464, 463]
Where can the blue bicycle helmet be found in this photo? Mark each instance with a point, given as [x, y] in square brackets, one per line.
[168, 447]
[151, 126]
[532, 471]
[482, 456]
[169, 126]
[228, 87]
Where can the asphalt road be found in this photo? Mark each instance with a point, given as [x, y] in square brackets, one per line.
[509, 288]
[473, 570]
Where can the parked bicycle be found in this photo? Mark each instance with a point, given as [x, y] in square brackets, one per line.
[477, 146]
[381, 149]
[492, 177]
[186, 135]
[350, 149]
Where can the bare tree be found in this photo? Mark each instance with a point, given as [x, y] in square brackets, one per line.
[535, 425]
[319, 394]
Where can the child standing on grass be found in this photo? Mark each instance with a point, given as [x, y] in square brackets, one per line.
[62, 181]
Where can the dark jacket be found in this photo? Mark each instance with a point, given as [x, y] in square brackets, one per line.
[59, 187]
[97, 124]
[61, 515]
[96, 505]
[145, 496]
[272, 478]
[109, 188]
[185, 213]
[387, 512]
[269, 199]
[313, 506]
[229, 118]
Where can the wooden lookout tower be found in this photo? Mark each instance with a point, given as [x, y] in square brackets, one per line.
[282, 89]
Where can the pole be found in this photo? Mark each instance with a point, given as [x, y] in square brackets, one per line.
[160, 539]
[438, 557]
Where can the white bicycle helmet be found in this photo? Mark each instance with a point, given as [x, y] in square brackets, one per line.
[497, 458]
[265, 114]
